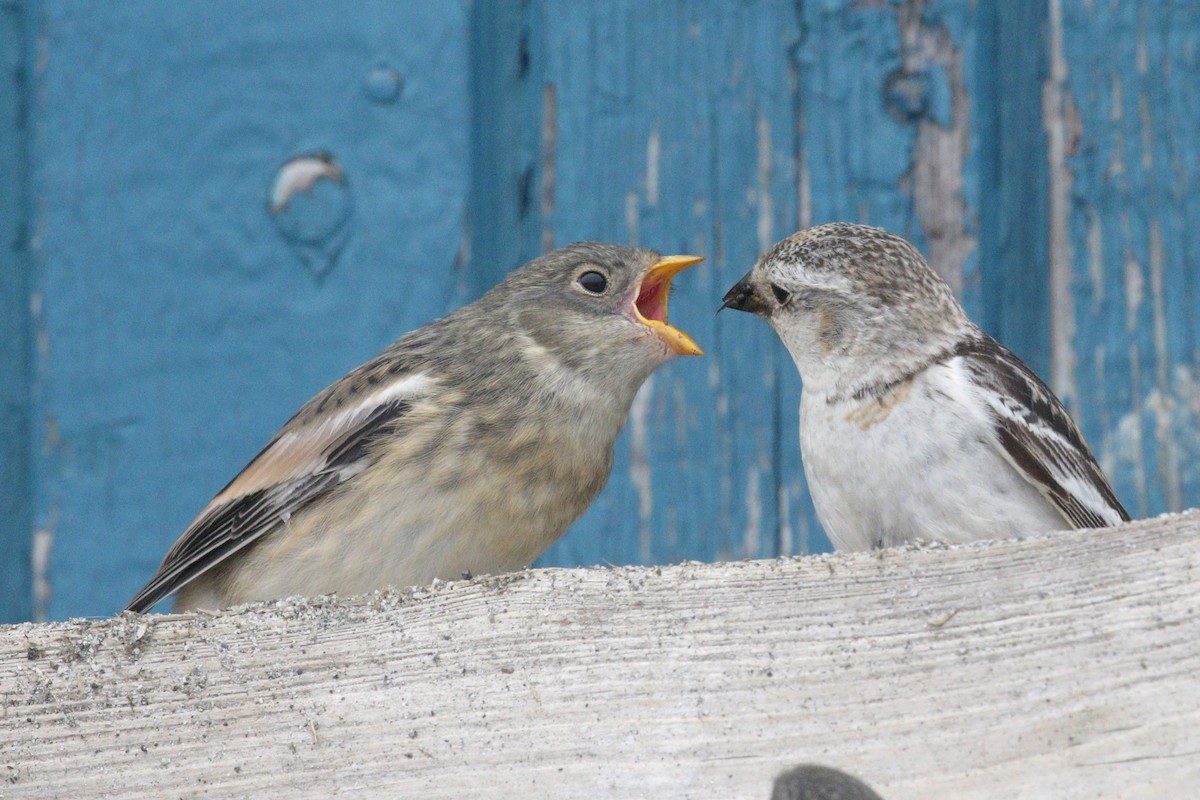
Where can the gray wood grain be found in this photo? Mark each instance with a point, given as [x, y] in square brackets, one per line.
[1059, 667]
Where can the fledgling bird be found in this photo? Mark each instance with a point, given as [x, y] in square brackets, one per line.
[914, 423]
[467, 446]
[813, 782]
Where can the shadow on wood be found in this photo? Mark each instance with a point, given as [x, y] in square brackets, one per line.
[1058, 667]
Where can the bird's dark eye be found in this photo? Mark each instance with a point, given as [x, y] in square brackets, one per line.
[593, 282]
[781, 295]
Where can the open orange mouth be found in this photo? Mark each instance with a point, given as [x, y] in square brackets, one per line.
[650, 307]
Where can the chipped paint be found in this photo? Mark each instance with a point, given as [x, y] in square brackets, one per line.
[787, 536]
[1174, 414]
[929, 56]
[299, 175]
[169, 298]
[549, 156]
[766, 205]
[751, 536]
[312, 207]
[43, 543]
[1095, 251]
[1135, 283]
[653, 150]
[639, 465]
[631, 218]
[766, 115]
[1163, 405]
[1055, 116]
[1143, 67]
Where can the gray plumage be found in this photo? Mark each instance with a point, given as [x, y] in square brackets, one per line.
[468, 445]
[914, 423]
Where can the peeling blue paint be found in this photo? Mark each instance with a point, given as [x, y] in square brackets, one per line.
[158, 324]
[15, 324]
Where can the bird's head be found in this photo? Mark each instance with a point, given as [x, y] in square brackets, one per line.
[849, 299]
[598, 309]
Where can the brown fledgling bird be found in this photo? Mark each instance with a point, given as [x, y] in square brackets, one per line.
[467, 446]
[914, 423]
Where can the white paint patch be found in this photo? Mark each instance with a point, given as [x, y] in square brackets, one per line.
[639, 465]
[1147, 132]
[714, 374]
[653, 146]
[1164, 406]
[300, 175]
[804, 192]
[631, 218]
[766, 205]
[549, 161]
[787, 537]
[1176, 418]
[939, 152]
[753, 535]
[1116, 162]
[1062, 305]
[1157, 304]
[1143, 56]
[43, 543]
[1135, 291]
[1095, 247]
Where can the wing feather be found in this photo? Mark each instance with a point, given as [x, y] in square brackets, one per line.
[1038, 437]
[299, 465]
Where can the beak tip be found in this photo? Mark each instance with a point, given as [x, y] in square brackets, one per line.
[742, 297]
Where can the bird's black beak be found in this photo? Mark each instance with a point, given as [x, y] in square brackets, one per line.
[742, 297]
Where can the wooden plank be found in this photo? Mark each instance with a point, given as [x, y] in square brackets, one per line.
[182, 326]
[1060, 667]
[1125, 98]
[16, 590]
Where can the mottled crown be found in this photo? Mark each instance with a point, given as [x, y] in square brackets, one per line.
[875, 262]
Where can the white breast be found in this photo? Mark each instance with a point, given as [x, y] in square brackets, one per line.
[920, 463]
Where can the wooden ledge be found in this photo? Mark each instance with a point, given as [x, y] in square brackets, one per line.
[1065, 666]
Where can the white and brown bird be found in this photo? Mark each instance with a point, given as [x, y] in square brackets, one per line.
[467, 446]
[914, 423]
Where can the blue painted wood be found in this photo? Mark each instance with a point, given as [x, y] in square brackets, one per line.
[181, 328]
[671, 128]
[505, 201]
[1011, 154]
[723, 128]
[1132, 164]
[886, 131]
[15, 357]
[1043, 154]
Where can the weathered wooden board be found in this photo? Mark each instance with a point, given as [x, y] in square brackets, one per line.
[1061, 667]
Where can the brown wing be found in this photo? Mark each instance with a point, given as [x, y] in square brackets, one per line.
[1038, 437]
[298, 466]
